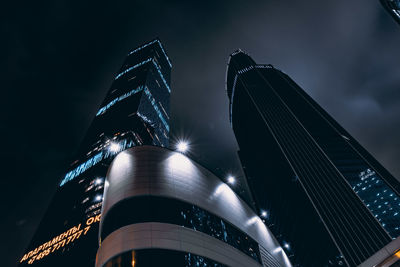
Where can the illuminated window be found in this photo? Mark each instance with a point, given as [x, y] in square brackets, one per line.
[102, 110]
[104, 154]
[162, 76]
[153, 103]
[380, 200]
[133, 67]
[89, 188]
[145, 45]
[93, 207]
[82, 168]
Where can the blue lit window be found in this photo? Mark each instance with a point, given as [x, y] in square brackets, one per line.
[82, 168]
[153, 103]
[379, 198]
[145, 45]
[104, 154]
[142, 63]
[140, 48]
[132, 68]
[102, 110]
[162, 76]
[144, 118]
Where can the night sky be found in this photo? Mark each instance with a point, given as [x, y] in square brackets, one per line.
[58, 59]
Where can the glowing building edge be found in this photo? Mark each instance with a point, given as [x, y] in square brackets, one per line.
[145, 45]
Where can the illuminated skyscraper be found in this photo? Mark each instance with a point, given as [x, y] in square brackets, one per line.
[135, 112]
[326, 199]
[393, 7]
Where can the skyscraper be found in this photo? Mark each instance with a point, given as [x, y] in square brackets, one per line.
[135, 112]
[326, 199]
[393, 7]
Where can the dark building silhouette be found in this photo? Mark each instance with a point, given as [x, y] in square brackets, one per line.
[325, 198]
[135, 112]
[393, 7]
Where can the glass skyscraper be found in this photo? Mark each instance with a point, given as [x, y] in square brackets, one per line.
[135, 112]
[325, 198]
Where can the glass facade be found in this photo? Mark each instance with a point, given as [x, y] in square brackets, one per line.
[160, 257]
[134, 112]
[173, 211]
[303, 166]
[382, 201]
[378, 194]
[393, 7]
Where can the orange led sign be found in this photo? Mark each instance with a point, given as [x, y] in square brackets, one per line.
[60, 241]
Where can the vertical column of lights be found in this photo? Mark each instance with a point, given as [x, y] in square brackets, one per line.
[153, 103]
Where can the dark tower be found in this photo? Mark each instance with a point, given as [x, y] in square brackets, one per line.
[135, 112]
[326, 199]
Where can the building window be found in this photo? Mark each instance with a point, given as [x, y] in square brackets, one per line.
[160, 257]
[168, 210]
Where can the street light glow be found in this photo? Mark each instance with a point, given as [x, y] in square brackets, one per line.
[182, 146]
[231, 179]
[264, 214]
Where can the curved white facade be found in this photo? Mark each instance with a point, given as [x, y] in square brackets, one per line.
[155, 171]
